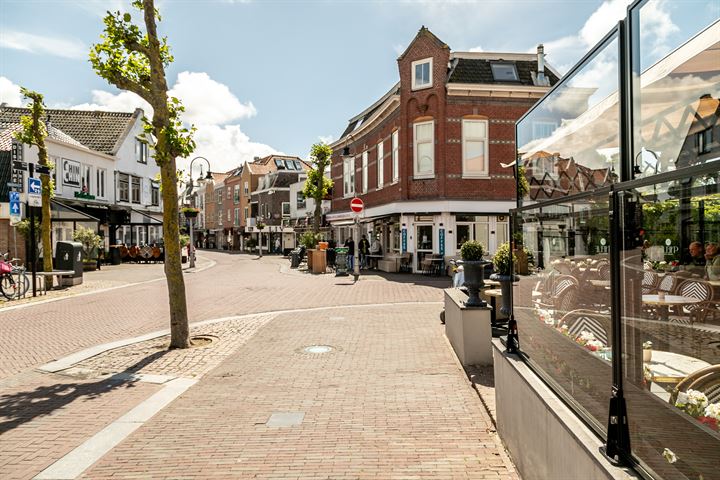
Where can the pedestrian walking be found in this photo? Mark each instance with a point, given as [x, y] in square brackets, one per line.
[363, 251]
[350, 244]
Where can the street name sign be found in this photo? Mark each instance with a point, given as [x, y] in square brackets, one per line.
[34, 192]
[356, 205]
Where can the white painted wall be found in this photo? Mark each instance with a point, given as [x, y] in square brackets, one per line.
[126, 162]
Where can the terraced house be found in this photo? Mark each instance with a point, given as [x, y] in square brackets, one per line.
[430, 157]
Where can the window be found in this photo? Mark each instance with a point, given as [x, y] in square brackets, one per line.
[365, 172]
[246, 213]
[220, 218]
[155, 194]
[141, 151]
[86, 174]
[543, 129]
[219, 195]
[475, 147]
[285, 209]
[236, 221]
[136, 189]
[395, 159]
[229, 192]
[349, 176]
[100, 174]
[504, 72]
[280, 164]
[422, 73]
[704, 139]
[228, 215]
[424, 149]
[380, 165]
[236, 194]
[246, 188]
[123, 187]
[300, 200]
[298, 165]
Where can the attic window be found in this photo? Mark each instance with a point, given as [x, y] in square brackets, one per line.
[422, 73]
[280, 164]
[504, 72]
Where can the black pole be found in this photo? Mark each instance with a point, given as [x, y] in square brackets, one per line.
[33, 243]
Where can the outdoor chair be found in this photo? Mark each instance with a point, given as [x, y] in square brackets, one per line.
[695, 312]
[406, 262]
[589, 321]
[706, 380]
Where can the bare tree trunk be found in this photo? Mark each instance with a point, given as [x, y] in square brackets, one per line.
[318, 211]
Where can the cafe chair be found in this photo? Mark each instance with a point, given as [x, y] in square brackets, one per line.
[695, 312]
[603, 271]
[587, 320]
[706, 380]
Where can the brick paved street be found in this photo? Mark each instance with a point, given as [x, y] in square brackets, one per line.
[388, 402]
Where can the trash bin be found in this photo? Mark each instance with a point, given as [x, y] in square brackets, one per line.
[295, 258]
[341, 254]
[115, 258]
[68, 256]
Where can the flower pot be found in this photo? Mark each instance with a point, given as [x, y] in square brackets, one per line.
[506, 288]
[521, 265]
[190, 214]
[647, 355]
[474, 271]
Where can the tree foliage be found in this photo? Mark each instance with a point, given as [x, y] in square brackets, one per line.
[317, 184]
[33, 133]
[134, 58]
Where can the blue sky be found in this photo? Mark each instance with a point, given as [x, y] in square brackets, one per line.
[268, 76]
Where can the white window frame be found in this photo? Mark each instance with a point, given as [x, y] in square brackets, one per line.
[236, 219]
[365, 171]
[141, 152]
[123, 178]
[348, 177]
[133, 179]
[416, 172]
[220, 219]
[219, 193]
[236, 194]
[395, 156]
[380, 165]
[485, 172]
[229, 214]
[100, 179]
[416, 86]
[246, 188]
[283, 207]
[155, 193]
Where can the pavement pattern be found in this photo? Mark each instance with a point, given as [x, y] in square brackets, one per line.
[389, 400]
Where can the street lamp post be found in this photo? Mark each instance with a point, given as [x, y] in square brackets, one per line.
[191, 250]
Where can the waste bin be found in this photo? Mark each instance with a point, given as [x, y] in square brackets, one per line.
[68, 256]
[295, 258]
[115, 258]
[341, 254]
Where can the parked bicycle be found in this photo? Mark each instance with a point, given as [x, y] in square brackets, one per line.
[14, 282]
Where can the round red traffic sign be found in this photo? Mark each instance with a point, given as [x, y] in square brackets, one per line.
[356, 205]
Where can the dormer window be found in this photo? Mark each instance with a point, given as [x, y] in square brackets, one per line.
[422, 73]
[504, 72]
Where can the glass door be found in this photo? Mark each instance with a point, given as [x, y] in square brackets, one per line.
[424, 243]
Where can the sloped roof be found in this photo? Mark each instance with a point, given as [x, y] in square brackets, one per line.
[97, 130]
[479, 70]
[370, 111]
[7, 132]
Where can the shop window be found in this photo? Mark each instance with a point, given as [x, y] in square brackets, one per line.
[424, 143]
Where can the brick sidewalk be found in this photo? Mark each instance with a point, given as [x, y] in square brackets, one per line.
[388, 402]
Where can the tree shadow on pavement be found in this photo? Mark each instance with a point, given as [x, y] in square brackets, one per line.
[24, 406]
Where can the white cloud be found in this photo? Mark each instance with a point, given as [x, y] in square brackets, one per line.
[479, 48]
[10, 93]
[40, 44]
[225, 147]
[399, 48]
[207, 101]
[120, 102]
[326, 138]
[100, 8]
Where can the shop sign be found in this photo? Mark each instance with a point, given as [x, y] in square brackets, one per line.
[442, 241]
[71, 173]
[84, 196]
[670, 249]
[404, 240]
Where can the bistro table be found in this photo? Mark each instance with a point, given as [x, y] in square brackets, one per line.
[667, 301]
[374, 260]
[600, 283]
[669, 367]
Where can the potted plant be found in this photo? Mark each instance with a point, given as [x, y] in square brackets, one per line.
[503, 263]
[91, 241]
[308, 240]
[647, 351]
[473, 264]
[190, 212]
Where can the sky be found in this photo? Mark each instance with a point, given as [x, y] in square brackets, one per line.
[275, 76]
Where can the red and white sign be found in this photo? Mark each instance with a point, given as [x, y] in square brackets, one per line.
[356, 205]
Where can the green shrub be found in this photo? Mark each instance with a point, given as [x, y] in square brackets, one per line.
[184, 240]
[472, 251]
[90, 240]
[308, 240]
[503, 259]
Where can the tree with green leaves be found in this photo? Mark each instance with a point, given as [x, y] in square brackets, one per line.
[134, 59]
[317, 184]
[33, 133]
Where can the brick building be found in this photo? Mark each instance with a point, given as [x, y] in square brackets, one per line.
[427, 157]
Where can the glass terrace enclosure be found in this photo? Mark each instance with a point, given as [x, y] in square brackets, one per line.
[619, 209]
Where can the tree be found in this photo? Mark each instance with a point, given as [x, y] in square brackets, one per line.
[134, 60]
[317, 184]
[33, 133]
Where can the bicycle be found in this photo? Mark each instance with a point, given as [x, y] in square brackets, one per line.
[14, 282]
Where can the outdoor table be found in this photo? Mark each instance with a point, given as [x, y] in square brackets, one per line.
[373, 260]
[669, 367]
[667, 301]
[437, 263]
[600, 283]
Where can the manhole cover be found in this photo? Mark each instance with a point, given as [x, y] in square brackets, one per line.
[318, 349]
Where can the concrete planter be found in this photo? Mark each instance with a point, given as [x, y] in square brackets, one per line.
[506, 288]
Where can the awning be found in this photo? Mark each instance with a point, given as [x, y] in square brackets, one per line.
[136, 216]
[59, 212]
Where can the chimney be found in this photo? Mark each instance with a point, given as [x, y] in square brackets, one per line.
[541, 80]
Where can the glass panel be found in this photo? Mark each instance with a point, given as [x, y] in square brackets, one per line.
[482, 234]
[425, 157]
[677, 85]
[504, 72]
[562, 299]
[671, 360]
[425, 237]
[462, 235]
[474, 157]
[582, 153]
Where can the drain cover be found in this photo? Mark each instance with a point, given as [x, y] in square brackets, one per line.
[288, 419]
[318, 349]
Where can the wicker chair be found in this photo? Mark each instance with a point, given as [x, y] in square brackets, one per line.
[587, 320]
[699, 290]
[706, 380]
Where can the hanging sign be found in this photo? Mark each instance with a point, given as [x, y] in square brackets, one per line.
[442, 241]
[404, 240]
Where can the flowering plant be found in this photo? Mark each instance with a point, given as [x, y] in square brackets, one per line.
[594, 345]
[692, 402]
[669, 455]
[584, 337]
[647, 345]
[713, 411]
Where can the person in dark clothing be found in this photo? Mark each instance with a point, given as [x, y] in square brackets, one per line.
[363, 251]
[350, 244]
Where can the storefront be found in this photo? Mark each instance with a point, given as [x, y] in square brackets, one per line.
[619, 203]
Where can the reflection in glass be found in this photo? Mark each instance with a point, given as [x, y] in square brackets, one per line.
[677, 88]
[570, 142]
[671, 325]
[563, 305]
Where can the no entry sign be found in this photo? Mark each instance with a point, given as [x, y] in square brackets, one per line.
[356, 205]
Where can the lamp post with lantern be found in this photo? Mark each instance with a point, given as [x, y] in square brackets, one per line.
[191, 220]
